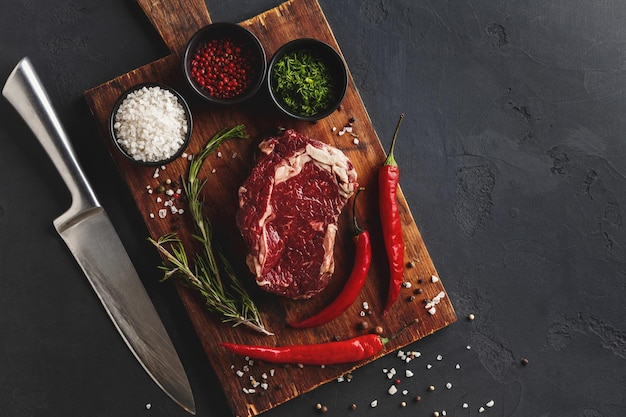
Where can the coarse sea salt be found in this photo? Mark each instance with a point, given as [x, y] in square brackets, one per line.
[151, 124]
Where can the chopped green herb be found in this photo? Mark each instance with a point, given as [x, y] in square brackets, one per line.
[303, 82]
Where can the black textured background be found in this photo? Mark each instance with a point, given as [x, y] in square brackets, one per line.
[513, 160]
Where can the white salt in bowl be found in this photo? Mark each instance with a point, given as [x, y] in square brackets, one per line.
[151, 124]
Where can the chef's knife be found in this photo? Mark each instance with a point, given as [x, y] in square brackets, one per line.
[91, 237]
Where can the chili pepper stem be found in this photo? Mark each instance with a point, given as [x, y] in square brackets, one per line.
[386, 340]
[391, 160]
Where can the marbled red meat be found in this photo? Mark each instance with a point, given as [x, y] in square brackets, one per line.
[288, 212]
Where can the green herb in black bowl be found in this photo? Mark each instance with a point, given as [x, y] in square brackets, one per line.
[307, 79]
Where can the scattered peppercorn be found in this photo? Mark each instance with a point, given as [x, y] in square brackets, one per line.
[418, 398]
[431, 388]
[471, 317]
[525, 361]
[378, 330]
[363, 325]
[352, 406]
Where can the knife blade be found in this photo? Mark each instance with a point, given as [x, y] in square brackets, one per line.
[91, 238]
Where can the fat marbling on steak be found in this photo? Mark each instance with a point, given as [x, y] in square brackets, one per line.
[288, 212]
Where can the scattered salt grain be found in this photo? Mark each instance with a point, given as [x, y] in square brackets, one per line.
[434, 279]
[148, 406]
[392, 390]
[490, 404]
[408, 373]
[374, 403]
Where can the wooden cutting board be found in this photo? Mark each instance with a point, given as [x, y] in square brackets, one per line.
[176, 21]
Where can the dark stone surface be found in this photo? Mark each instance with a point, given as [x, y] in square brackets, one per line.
[513, 160]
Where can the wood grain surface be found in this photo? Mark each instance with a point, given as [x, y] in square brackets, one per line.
[175, 22]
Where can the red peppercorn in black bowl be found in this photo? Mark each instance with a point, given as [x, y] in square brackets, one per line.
[224, 63]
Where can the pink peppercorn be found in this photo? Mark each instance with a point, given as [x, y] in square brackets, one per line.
[223, 67]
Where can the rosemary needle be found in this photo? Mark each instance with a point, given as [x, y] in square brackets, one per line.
[230, 299]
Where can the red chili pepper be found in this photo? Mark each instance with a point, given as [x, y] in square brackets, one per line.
[329, 353]
[388, 178]
[351, 350]
[353, 285]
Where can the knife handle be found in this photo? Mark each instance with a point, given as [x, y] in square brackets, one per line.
[25, 92]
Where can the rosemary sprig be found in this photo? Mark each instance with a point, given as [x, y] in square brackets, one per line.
[231, 302]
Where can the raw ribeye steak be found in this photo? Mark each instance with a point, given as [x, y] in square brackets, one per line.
[288, 212]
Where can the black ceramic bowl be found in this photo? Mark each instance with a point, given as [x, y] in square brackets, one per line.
[224, 63]
[309, 57]
[151, 124]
